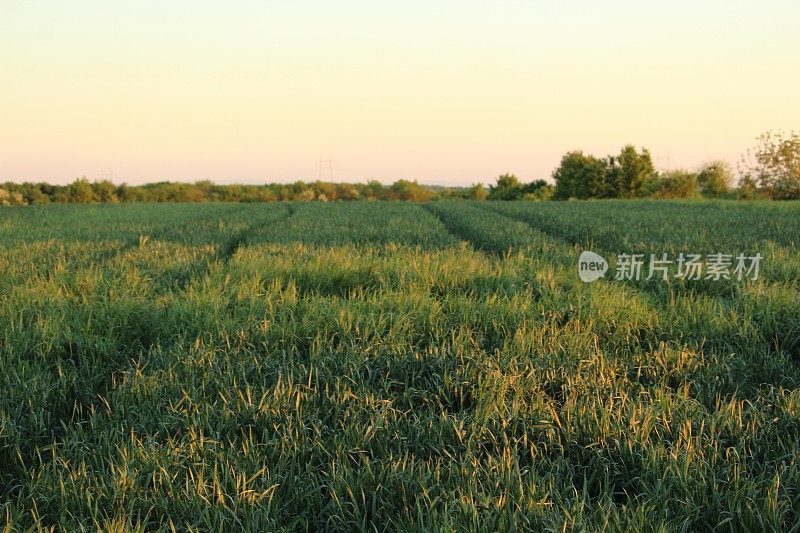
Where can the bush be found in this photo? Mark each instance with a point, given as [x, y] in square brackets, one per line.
[476, 192]
[715, 178]
[81, 192]
[538, 190]
[748, 188]
[677, 184]
[11, 198]
[408, 191]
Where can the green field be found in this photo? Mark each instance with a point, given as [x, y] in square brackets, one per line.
[379, 365]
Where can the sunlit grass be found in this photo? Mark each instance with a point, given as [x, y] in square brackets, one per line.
[297, 367]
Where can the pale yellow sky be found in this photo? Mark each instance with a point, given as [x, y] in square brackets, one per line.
[445, 92]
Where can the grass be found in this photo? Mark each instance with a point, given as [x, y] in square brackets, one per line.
[373, 366]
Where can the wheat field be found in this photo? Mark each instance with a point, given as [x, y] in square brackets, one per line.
[395, 366]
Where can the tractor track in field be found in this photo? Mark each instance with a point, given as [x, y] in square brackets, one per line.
[789, 342]
[229, 248]
[77, 407]
[461, 234]
[445, 224]
[512, 236]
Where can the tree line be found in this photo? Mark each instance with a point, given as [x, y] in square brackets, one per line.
[104, 191]
[770, 170]
[631, 174]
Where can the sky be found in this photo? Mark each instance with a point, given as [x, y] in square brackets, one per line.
[445, 92]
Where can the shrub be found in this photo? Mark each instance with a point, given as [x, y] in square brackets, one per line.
[11, 198]
[538, 190]
[677, 184]
[715, 178]
[477, 192]
[748, 188]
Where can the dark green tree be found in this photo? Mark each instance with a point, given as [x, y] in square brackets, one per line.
[628, 173]
[538, 190]
[508, 187]
[580, 176]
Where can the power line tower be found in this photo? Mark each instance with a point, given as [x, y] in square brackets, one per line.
[325, 163]
[665, 162]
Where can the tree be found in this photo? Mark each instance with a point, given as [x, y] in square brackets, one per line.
[302, 192]
[538, 190]
[628, 173]
[677, 184]
[715, 178]
[508, 187]
[651, 188]
[264, 194]
[748, 188]
[775, 162]
[33, 194]
[477, 192]
[105, 191]
[409, 190]
[126, 193]
[346, 191]
[80, 191]
[282, 192]
[580, 176]
[373, 190]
